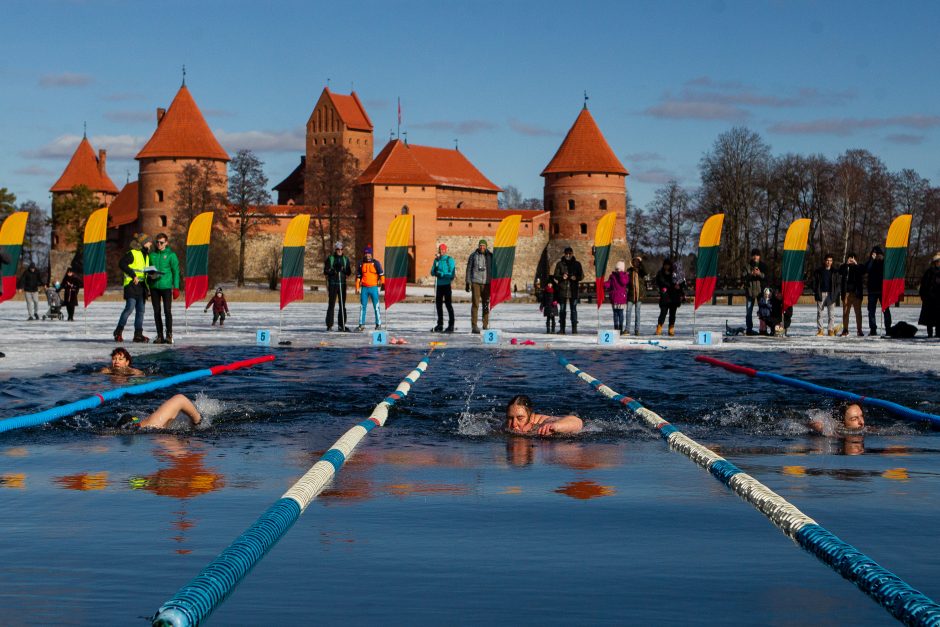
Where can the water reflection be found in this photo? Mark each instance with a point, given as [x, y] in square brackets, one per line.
[83, 481]
[522, 451]
[15, 480]
[847, 474]
[585, 489]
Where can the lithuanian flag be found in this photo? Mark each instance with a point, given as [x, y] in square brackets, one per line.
[706, 267]
[504, 256]
[397, 239]
[93, 255]
[892, 286]
[197, 257]
[794, 251]
[603, 236]
[11, 240]
[292, 260]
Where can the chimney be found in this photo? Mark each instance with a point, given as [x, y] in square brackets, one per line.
[160, 113]
[102, 161]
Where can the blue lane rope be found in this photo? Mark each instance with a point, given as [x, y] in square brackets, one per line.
[69, 409]
[898, 410]
[900, 599]
[193, 603]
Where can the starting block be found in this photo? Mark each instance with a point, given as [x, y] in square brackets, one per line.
[707, 338]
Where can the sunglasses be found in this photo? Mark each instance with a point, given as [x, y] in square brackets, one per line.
[161, 242]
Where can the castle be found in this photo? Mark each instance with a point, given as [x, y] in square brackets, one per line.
[450, 200]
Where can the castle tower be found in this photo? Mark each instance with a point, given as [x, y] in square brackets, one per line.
[86, 169]
[339, 119]
[583, 181]
[182, 138]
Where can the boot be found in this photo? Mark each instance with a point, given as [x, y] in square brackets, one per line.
[553, 325]
[159, 340]
[672, 330]
[450, 328]
[574, 328]
[169, 338]
[119, 334]
[548, 326]
[140, 338]
[438, 329]
[659, 329]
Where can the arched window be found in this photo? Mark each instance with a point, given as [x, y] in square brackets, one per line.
[405, 210]
[541, 228]
[571, 204]
[460, 204]
[162, 220]
[583, 228]
[159, 195]
[555, 229]
[602, 205]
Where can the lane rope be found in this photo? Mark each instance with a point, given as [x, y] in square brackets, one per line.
[193, 603]
[69, 409]
[898, 410]
[900, 599]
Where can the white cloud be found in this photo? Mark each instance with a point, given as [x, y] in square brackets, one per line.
[63, 147]
[65, 79]
[262, 141]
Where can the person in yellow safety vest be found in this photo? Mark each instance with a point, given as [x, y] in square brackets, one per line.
[369, 276]
[133, 265]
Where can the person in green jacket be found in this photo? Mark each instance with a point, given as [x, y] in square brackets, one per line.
[164, 286]
[443, 271]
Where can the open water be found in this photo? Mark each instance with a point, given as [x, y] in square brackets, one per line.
[440, 518]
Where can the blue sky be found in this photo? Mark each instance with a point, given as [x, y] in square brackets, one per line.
[504, 78]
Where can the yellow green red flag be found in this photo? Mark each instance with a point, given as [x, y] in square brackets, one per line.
[794, 252]
[93, 255]
[397, 239]
[603, 236]
[706, 267]
[197, 257]
[892, 285]
[504, 256]
[11, 240]
[292, 260]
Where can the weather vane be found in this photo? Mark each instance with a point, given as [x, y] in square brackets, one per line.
[585, 99]
[84, 130]
[184, 75]
[456, 144]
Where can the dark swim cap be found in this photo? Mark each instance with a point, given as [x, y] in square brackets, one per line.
[128, 422]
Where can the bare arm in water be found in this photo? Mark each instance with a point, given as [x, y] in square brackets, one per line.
[169, 410]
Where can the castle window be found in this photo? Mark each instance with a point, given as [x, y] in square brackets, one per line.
[450, 224]
[470, 224]
[571, 204]
[527, 226]
[602, 205]
[422, 188]
[489, 225]
[589, 175]
[334, 140]
[162, 220]
[159, 195]
[555, 229]
[583, 228]
[460, 204]
[386, 188]
[405, 210]
[541, 228]
[404, 189]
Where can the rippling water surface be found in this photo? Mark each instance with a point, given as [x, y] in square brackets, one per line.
[440, 518]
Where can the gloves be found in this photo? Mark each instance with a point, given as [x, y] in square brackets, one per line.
[176, 293]
[468, 288]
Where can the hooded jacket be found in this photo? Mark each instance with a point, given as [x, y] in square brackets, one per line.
[168, 263]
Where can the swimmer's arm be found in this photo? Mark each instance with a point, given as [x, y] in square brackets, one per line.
[170, 410]
[817, 426]
[563, 424]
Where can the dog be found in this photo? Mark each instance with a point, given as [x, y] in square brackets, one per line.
[735, 331]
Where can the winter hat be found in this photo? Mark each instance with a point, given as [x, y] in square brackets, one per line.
[877, 250]
[569, 249]
[57, 285]
[368, 250]
[338, 245]
[443, 248]
[766, 292]
[482, 242]
[936, 257]
[218, 290]
[143, 238]
[621, 266]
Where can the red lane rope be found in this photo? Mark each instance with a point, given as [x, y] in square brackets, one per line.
[726, 365]
[244, 363]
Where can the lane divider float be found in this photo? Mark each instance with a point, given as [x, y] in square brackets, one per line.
[63, 411]
[900, 599]
[898, 410]
[193, 603]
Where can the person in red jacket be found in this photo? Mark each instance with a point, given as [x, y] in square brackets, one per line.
[219, 307]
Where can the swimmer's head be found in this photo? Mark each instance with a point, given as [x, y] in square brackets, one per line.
[120, 358]
[128, 423]
[853, 417]
[518, 413]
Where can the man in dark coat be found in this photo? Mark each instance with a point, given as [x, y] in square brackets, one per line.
[478, 276]
[70, 286]
[826, 287]
[930, 298]
[875, 269]
[29, 283]
[568, 276]
[337, 269]
[755, 280]
[852, 282]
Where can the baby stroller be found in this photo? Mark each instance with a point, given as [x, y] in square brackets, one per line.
[55, 304]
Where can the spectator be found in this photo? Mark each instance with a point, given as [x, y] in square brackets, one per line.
[826, 293]
[755, 277]
[549, 306]
[337, 269]
[164, 285]
[443, 269]
[568, 276]
[618, 284]
[30, 283]
[852, 288]
[671, 294]
[635, 295]
[930, 298]
[369, 277]
[875, 269]
[479, 273]
[219, 307]
[133, 264]
[70, 286]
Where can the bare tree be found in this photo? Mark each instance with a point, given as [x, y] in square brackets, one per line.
[248, 196]
[670, 223]
[71, 211]
[199, 188]
[332, 174]
[37, 238]
[510, 198]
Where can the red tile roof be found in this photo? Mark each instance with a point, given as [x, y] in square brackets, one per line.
[402, 164]
[83, 170]
[444, 213]
[584, 150]
[183, 133]
[350, 110]
[123, 209]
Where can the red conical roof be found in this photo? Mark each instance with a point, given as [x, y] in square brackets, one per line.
[83, 170]
[403, 164]
[350, 110]
[584, 150]
[183, 133]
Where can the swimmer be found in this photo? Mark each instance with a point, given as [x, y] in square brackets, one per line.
[122, 364]
[522, 419]
[165, 414]
[853, 421]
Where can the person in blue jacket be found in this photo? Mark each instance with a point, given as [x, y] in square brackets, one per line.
[443, 271]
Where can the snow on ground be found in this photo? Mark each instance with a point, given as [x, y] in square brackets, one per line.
[34, 347]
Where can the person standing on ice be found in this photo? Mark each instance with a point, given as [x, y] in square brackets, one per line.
[671, 294]
[875, 269]
[443, 270]
[219, 307]
[826, 292]
[568, 276]
[369, 277]
[479, 273]
[337, 269]
[635, 295]
[29, 283]
[930, 298]
[70, 286]
[618, 284]
[132, 266]
[852, 287]
[755, 277]
[164, 286]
